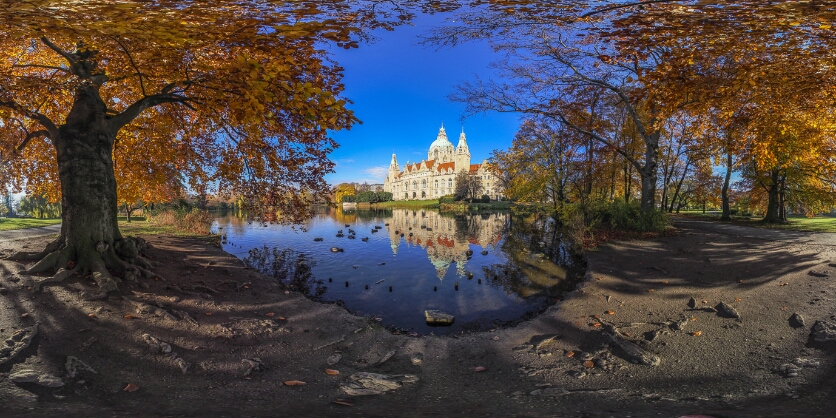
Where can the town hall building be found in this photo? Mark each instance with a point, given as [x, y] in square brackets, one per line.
[436, 176]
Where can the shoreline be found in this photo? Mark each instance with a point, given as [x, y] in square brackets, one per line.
[732, 368]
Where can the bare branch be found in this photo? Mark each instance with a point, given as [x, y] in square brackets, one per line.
[69, 57]
[44, 120]
[133, 64]
[129, 114]
[49, 67]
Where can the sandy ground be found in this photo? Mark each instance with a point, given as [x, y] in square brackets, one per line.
[234, 338]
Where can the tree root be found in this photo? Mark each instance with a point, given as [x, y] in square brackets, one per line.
[122, 257]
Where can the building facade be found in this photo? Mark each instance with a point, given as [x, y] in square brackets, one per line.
[436, 176]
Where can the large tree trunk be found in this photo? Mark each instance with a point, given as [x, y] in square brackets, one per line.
[725, 191]
[772, 204]
[649, 173]
[90, 240]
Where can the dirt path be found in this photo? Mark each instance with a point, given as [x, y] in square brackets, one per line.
[215, 338]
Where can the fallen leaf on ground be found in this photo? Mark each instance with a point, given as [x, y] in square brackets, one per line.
[25, 315]
[694, 318]
[269, 314]
[651, 290]
[665, 282]
[588, 364]
[783, 308]
[208, 313]
[480, 369]
[737, 299]
[610, 312]
[281, 318]
[343, 402]
[91, 315]
[696, 333]
[570, 354]
[294, 383]
[596, 316]
[332, 372]
[130, 388]
[128, 316]
[600, 278]
[740, 281]
[596, 325]
[704, 301]
[496, 338]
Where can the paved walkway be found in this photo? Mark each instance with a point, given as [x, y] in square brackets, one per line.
[17, 234]
[821, 238]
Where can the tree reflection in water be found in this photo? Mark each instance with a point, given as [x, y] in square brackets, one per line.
[291, 268]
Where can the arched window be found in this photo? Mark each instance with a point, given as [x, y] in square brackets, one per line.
[424, 183]
[413, 195]
[436, 184]
[423, 194]
[450, 182]
[406, 195]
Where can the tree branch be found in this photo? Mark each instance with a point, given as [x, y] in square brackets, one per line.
[69, 57]
[30, 136]
[129, 114]
[44, 120]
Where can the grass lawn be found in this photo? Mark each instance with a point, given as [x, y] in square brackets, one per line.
[7, 224]
[821, 223]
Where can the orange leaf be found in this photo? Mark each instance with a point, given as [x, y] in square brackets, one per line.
[696, 333]
[91, 315]
[596, 325]
[596, 316]
[570, 354]
[208, 313]
[737, 299]
[651, 290]
[128, 316]
[281, 318]
[665, 282]
[588, 364]
[480, 369]
[332, 372]
[269, 314]
[130, 388]
[294, 383]
[343, 402]
[694, 318]
[610, 312]
[783, 308]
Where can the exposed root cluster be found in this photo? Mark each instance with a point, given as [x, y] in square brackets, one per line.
[105, 263]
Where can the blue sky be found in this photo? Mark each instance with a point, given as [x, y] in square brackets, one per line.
[399, 90]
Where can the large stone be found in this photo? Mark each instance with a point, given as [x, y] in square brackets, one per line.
[435, 317]
[633, 352]
[726, 310]
[363, 384]
[823, 331]
[796, 320]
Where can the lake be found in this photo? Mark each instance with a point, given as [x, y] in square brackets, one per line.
[488, 269]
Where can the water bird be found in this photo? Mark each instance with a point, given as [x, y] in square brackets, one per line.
[317, 239]
[347, 225]
[355, 266]
[340, 235]
[330, 280]
[435, 288]
[390, 288]
[336, 250]
[456, 286]
[468, 253]
[351, 231]
[386, 224]
[367, 287]
[484, 252]
[378, 227]
[364, 239]
[480, 281]
[346, 283]
[374, 231]
[351, 237]
[380, 264]
[401, 235]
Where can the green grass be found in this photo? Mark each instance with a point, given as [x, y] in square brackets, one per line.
[8, 224]
[147, 228]
[821, 223]
[133, 218]
[408, 204]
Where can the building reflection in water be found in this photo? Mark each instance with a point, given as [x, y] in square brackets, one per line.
[446, 238]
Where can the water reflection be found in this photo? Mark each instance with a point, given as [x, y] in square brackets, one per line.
[485, 269]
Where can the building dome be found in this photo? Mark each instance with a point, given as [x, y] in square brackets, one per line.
[441, 149]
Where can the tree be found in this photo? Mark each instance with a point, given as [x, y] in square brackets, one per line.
[3, 209]
[237, 95]
[342, 190]
[467, 186]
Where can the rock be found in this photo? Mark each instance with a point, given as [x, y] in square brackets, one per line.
[24, 376]
[19, 341]
[363, 384]
[156, 345]
[806, 362]
[633, 352]
[73, 365]
[253, 365]
[819, 273]
[417, 359]
[823, 331]
[796, 320]
[438, 318]
[726, 310]
[692, 303]
[31, 376]
[334, 359]
[679, 325]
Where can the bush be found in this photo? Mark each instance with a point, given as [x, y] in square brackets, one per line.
[384, 197]
[196, 221]
[366, 197]
[486, 198]
[626, 217]
[448, 199]
[349, 198]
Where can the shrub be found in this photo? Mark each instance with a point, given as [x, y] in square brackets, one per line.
[486, 198]
[350, 198]
[384, 197]
[196, 221]
[447, 199]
